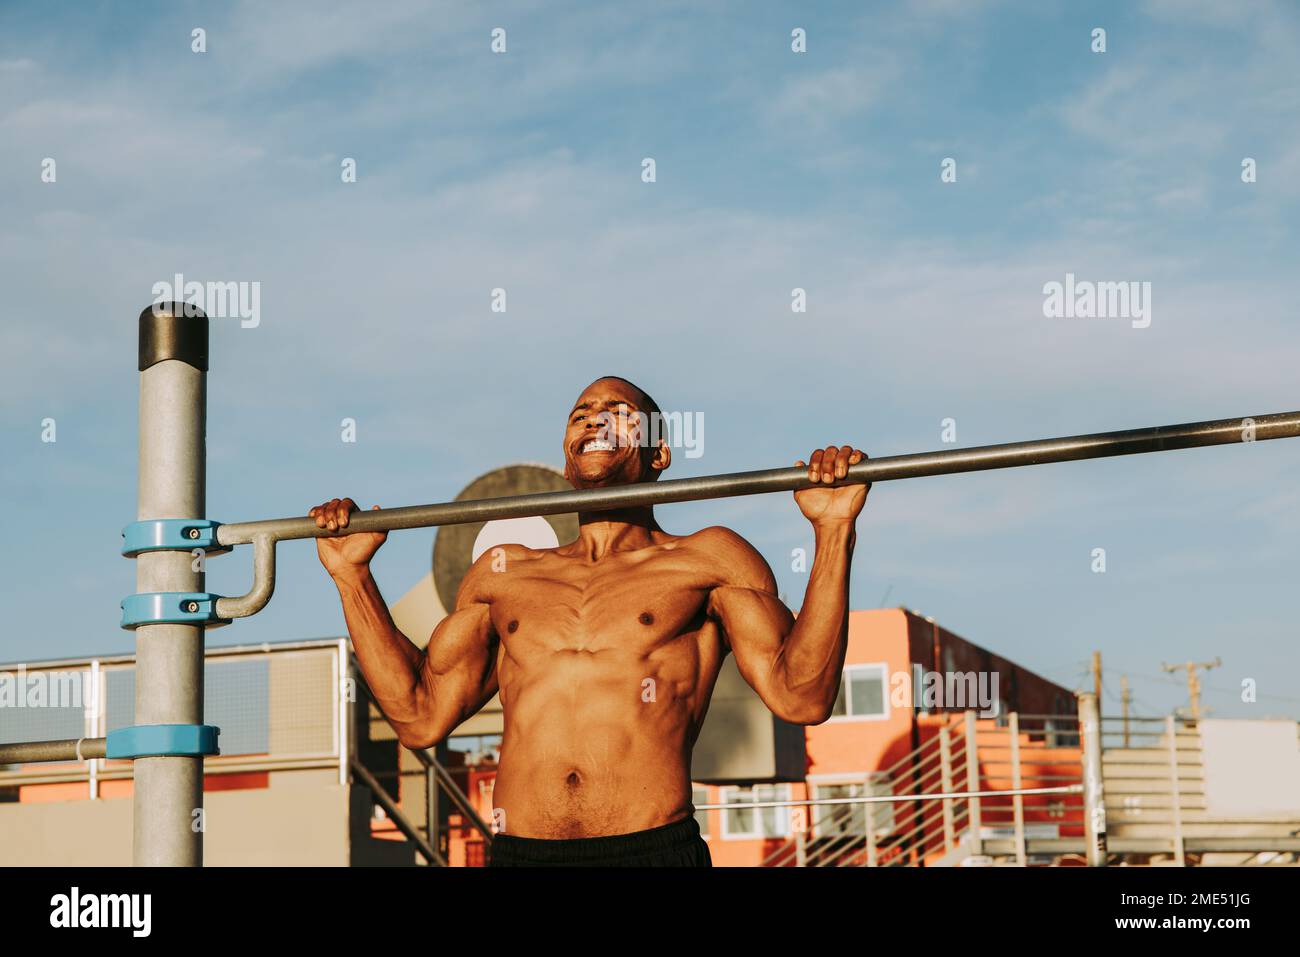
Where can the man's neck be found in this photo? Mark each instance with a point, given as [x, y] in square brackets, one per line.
[621, 530]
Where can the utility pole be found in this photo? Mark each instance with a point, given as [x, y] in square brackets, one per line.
[1096, 680]
[1125, 699]
[1193, 681]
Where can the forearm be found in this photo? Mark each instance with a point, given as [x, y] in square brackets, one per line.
[813, 652]
[389, 661]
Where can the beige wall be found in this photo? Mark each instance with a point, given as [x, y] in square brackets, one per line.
[66, 833]
[1252, 768]
[302, 818]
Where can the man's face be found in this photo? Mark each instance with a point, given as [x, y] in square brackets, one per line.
[602, 442]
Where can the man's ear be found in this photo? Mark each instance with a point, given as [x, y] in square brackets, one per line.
[662, 458]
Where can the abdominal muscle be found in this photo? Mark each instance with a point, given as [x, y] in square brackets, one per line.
[591, 748]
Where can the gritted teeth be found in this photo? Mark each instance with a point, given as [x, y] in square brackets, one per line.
[597, 445]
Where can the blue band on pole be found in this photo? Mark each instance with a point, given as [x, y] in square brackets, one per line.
[170, 534]
[171, 608]
[162, 740]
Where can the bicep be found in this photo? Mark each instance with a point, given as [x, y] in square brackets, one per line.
[476, 644]
[458, 674]
[460, 659]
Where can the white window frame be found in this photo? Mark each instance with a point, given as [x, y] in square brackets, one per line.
[883, 668]
[782, 813]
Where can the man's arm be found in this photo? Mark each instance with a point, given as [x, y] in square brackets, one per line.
[794, 664]
[423, 694]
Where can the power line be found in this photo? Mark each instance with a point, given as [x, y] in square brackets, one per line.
[1175, 683]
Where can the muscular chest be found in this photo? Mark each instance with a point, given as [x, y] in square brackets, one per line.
[633, 604]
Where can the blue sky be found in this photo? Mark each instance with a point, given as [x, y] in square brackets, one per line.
[775, 171]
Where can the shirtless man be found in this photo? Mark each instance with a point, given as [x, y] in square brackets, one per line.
[605, 651]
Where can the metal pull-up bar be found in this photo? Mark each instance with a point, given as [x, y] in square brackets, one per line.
[979, 459]
[265, 534]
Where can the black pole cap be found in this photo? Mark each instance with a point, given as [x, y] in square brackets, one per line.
[174, 330]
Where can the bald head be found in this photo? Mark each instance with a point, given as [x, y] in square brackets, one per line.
[645, 403]
[618, 413]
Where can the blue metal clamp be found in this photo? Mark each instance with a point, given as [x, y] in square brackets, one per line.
[171, 608]
[162, 740]
[171, 534]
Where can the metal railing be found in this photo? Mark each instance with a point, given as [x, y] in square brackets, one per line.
[287, 716]
[426, 845]
[970, 787]
[437, 782]
[1153, 780]
[280, 707]
[1040, 789]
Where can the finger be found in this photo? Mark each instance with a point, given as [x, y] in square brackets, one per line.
[842, 461]
[828, 464]
[857, 456]
[814, 465]
[800, 463]
[346, 508]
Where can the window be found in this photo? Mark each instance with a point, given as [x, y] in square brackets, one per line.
[755, 822]
[862, 693]
[701, 796]
[841, 819]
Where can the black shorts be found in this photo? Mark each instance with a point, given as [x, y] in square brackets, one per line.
[674, 845]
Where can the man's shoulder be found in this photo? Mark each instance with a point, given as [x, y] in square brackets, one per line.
[720, 539]
[732, 560]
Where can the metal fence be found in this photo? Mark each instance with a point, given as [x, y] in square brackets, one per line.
[1012, 790]
[279, 707]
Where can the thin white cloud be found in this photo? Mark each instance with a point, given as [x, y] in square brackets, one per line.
[829, 96]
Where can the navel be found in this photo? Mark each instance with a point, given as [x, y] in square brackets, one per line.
[646, 618]
[512, 627]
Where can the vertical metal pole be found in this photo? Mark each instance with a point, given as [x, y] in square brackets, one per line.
[1096, 679]
[945, 776]
[92, 710]
[973, 784]
[431, 808]
[1175, 794]
[800, 849]
[169, 658]
[342, 703]
[1017, 800]
[871, 834]
[1124, 700]
[1094, 798]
